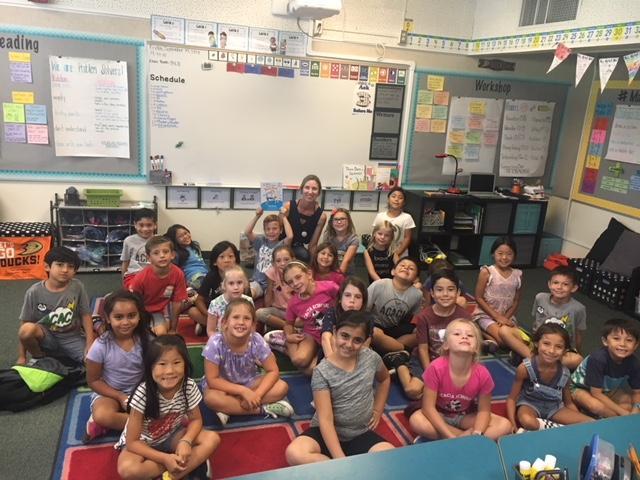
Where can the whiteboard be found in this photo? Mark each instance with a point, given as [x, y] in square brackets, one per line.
[243, 129]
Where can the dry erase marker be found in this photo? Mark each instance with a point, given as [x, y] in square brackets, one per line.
[159, 35]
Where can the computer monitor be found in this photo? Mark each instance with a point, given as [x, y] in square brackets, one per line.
[481, 183]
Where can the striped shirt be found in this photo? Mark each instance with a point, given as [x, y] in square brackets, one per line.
[173, 413]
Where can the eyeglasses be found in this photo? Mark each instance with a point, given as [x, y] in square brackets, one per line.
[341, 219]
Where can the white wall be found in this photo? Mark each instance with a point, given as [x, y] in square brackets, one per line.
[579, 224]
[497, 18]
[443, 18]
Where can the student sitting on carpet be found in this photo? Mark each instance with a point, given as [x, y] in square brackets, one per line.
[189, 259]
[457, 390]
[233, 384]
[308, 306]
[55, 311]
[430, 324]
[164, 431]
[607, 382]
[498, 292]
[395, 301]
[352, 296]
[558, 306]
[224, 255]
[234, 284]
[350, 389]
[161, 285]
[540, 396]
[278, 293]
[114, 362]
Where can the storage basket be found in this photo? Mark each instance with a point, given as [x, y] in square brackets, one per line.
[103, 197]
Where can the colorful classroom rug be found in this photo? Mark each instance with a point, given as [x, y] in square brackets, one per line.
[261, 441]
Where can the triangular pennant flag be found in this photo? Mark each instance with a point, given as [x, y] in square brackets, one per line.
[582, 63]
[607, 66]
[633, 64]
[562, 52]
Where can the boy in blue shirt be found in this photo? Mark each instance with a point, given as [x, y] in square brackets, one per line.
[607, 382]
[55, 311]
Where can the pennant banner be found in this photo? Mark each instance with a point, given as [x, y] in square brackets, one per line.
[633, 64]
[582, 63]
[607, 66]
[562, 52]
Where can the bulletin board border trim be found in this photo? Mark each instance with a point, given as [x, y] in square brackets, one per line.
[412, 120]
[141, 176]
[576, 194]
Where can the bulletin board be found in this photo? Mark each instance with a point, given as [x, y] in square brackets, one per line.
[608, 172]
[423, 171]
[219, 119]
[29, 161]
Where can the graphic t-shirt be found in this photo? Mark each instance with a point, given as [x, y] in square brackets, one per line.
[453, 400]
[392, 306]
[58, 311]
[172, 417]
[264, 257]
[312, 310]
[572, 315]
[133, 250]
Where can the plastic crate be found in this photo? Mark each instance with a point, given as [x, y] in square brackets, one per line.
[585, 269]
[609, 288]
[103, 197]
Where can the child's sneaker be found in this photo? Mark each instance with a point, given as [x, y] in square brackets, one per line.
[277, 340]
[545, 424]
[281, 408]
[223, 417]
[93, 430]
[393, 360]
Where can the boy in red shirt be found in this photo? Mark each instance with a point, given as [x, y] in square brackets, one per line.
[161, 285]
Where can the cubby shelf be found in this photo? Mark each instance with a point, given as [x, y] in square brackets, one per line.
[468, 226]
[96, 233]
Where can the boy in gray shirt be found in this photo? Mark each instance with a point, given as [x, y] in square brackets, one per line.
[560, 307]
[55, 311]
[395, 301]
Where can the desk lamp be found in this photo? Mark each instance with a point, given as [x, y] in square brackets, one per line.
[452, 189]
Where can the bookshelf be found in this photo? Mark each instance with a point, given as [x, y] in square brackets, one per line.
[464, 227]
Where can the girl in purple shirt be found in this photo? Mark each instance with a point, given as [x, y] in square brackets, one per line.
[114, 362]
[233, 383]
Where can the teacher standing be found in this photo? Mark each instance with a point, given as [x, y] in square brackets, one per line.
[306, 218]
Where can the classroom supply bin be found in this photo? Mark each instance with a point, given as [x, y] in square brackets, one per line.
[103, 197]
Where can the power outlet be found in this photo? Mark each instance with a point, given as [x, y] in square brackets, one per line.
[317, 28]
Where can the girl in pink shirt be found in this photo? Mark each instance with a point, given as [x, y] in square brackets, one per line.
[457, 390]
[310, 302]
[324, 264]
[278, 293]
